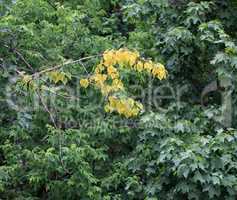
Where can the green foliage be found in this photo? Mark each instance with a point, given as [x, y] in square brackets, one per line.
[187, 164]
[56, 141]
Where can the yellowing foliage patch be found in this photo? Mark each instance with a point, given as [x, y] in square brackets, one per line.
[108, 69]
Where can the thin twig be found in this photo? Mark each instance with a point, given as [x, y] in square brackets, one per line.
[23, 59]
[47, 110]
[84, 67]
[60, 95]
[20, 56]
[51, 4]
[19, 72]
[59, 138]
[62, 65]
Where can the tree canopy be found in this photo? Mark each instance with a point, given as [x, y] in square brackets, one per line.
[118, 99]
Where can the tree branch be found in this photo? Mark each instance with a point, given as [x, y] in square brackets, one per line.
[62, 65]
[47, 109]
[14, 50]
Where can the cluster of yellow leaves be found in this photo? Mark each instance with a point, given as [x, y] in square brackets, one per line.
[126, 58]
[27, 82]
[84, 82]
[107, 78]
[124, 106]
[102, 77]
[57, 76]
[121, 57]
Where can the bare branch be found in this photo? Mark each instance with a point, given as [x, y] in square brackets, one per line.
[62, 65]
[23, 59]
[14, 50]
[47, 109]
[59, 138]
